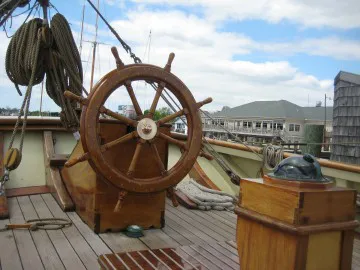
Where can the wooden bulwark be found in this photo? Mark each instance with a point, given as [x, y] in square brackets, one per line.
[53, 178]
[4, 210]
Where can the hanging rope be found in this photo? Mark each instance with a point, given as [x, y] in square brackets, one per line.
[29, 74]
[59, 59]
[36, 50]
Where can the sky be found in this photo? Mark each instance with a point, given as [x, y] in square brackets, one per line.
[233, 51]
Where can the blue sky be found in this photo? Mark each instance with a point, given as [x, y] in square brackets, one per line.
[235, 51]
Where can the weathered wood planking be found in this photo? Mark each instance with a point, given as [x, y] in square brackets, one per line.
[50, 254]
[9, 255]
[79, 244]
[156, 239]
[47, 252]
[118, 242]
[93, 239]
[205, 228]
[201, 217]
[64, 249]
[184, 231]
[27, 250]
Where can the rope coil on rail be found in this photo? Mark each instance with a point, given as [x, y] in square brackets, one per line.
[272, 156]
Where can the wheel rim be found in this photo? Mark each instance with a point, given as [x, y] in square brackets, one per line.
[89, 123]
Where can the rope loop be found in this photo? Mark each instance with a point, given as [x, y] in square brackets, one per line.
[272, 156]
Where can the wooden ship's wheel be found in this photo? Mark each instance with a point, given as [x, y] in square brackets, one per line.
[143, 133]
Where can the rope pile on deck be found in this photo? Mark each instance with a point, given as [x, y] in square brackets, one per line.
[205, 198]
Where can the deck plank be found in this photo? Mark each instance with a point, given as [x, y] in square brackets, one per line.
[176, 235]
[156, 239]
[28, 252]
[79, 244]
[183, 230]
[70, 248]
[46, 249]
[203, 250]
[66, 252]
[202, 232]
[118, 242]
[205, 216]
[205, 261]
[197, 215]
[219, 255]
[225, 220]
[9, 255]
[93, 239]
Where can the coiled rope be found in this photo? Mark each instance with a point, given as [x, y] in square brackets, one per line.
[37, 50]
[272, 156]
[58, 58]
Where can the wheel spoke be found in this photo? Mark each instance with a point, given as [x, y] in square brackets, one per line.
[122, 139]
[158, 158]
[118, 116]
[74, 161]
[134, 159]
[159, 90]
[170, 117]
[134, 101]
[181, 144]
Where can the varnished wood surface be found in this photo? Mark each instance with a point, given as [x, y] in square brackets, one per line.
[297, 205]
[199, 238]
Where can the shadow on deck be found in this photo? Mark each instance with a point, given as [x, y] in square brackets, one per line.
[190, 239]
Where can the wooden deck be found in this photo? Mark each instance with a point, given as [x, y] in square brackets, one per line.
[199, 238]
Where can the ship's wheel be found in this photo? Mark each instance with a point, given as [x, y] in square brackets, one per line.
[146, 129]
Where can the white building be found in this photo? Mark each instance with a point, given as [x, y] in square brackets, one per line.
[179, 126]
[262, 121]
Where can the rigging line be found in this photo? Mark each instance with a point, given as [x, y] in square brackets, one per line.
[145, 84]
[123, 43]
[29, 7]
[98, 55]
[82, 28]
[87, 63]
[9, 13]
[4, 5]
[54, 7]
[149, 46]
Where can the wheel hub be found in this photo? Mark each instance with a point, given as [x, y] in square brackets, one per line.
[147, 128]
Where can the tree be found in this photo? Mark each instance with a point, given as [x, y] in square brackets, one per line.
[160, 113]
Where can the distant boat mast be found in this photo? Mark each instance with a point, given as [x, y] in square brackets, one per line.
[94, 48]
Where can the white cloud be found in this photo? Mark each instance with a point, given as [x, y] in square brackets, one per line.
[333, 47]
[309, 13]
[205, 61]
